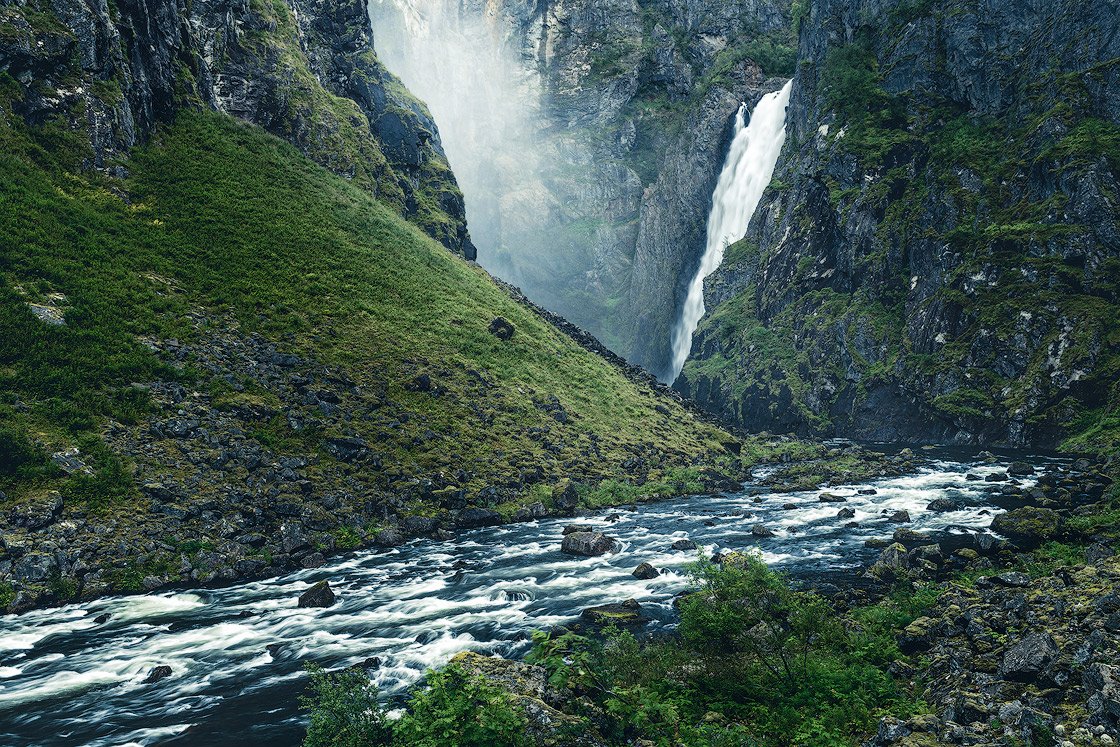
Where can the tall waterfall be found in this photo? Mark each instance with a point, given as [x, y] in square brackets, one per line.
[749, 166]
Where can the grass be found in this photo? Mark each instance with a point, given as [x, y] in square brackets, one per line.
[223, 217]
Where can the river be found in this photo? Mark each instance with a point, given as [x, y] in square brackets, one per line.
[236, 654]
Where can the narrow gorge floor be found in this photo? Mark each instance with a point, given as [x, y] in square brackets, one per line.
[76, 675]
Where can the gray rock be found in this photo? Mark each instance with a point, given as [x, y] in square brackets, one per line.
[683, 544]
[645, 571]
[589, 544]
[319, 595]
[158, 673]
[899, 517]
[473, 518]
[1028, 658]
[761, 530]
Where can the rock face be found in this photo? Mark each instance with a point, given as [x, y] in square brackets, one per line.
[945, 267]
[590, 188]
[305, 70]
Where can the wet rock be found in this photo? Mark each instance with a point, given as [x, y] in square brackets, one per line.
[319, 595]
[389, 538]
[789, 506]
[589, 544]
[846, 513]
[1020, 469]
[831, 498]
[761, 530]
[102, 618]
[501, 328]
[909, 536]
[683, 544]
[627, 614]
[157, 673]
[996, 477]
[943, 505]
[573, 528]
[1028, 526]
[867, 491]
[899, 517]
[473, 518]
[1026, 660]
[645, 572]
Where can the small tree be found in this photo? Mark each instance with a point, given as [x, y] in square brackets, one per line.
[344, 710]
[746, 610]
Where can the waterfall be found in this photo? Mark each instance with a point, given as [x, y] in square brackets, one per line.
[746, 172]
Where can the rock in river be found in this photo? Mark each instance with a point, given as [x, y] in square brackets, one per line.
[590, 544]
[683, 544]
[1028, 526]
[319, 595]
[645, 572]
[157, 673]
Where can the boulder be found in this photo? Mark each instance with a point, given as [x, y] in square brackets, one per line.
[846, 513]
[1020, 469]
[1028, 526]
[474, 517]
[533, 511]
[573, 528]
[892, 562]
[564, 495]
[628, 613]
[589, 544]
[1102, 684]
[683, 544]
[645, 572]
[36, 512]
[942, 505]
[997, 477]
[917, 636]
[157, 673]
[761, 530]
[389, 538]
[501, 328]
[319, 595]
[1026, 660]
[899, 517]
[867, 491]
[831, 498]
[905, 535]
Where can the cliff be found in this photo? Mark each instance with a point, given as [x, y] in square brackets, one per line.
[937, 257]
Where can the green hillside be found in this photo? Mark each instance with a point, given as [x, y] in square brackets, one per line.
[224, 241]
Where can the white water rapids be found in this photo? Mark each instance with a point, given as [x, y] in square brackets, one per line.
[75, 675]
[746, 173]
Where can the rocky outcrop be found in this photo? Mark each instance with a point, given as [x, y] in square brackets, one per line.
[936, 258]
[304, 70]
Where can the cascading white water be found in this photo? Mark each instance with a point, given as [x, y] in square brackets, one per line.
[746, 172]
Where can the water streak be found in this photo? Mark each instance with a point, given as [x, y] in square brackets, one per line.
[746, 173]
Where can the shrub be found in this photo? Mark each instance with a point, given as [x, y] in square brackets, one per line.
[459, 709]
[344, 710]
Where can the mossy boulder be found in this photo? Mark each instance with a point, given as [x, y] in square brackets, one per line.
[1028, 526]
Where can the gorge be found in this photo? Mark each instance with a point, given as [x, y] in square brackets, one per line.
[631, 370]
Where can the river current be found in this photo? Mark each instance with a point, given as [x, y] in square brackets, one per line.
[69, 676]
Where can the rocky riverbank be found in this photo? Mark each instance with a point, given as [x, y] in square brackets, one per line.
[1010, 639]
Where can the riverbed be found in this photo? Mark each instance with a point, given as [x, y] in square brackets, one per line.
[75, 675]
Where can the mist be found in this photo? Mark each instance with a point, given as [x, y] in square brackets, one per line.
[464, 63]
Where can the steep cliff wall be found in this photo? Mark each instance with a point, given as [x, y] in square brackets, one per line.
[937, 257]
[304, 70]
[588, 136]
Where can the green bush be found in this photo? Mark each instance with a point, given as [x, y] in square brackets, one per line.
[344, 710]
[459, 709]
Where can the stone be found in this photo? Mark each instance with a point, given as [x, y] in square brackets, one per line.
[1026, 660]
[627, 614]
[899, 517]
[474, 518]
[389, 538]
[683, 544]
[590, 544]
[36, 512]
[891, 563]
[157, 673]
[761, 530]
[943, 505]
[319, 595]
[645, 572]
[565, 496]
[831, 498]
[501, 328]
[1020, 469]
[573, 528]
[846, 513]
[1028, 526]
[1012, 579]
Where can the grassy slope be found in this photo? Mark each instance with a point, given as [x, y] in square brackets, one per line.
[222, 216]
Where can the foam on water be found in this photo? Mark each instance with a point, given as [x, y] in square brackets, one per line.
[66, 680]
